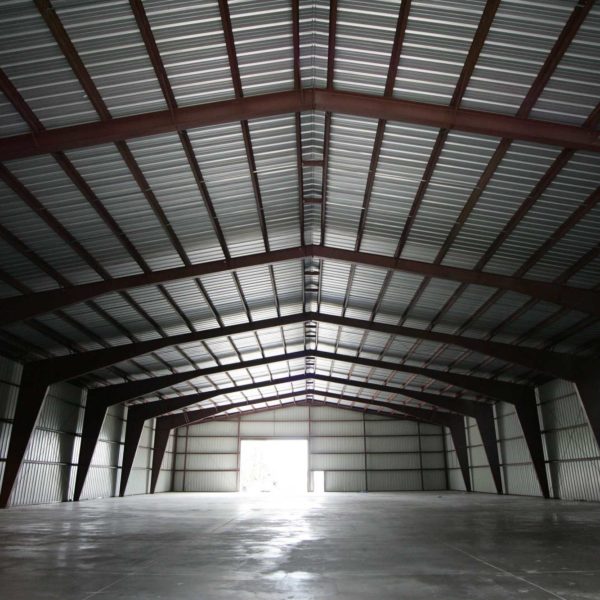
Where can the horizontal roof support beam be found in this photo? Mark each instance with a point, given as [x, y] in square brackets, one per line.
[288, 102]
[162, 407]
[17, 308]
[499, 390]
[62, 368]
[195, 416]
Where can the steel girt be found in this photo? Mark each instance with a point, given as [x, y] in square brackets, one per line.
[16, 308]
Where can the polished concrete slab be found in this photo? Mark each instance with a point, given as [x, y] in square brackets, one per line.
[376, 545]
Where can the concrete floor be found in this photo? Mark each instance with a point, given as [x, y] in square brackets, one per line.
[379, 546]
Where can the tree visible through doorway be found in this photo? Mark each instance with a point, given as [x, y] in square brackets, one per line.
[274, 466]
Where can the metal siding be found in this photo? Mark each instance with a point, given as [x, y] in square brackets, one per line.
[393, 444]
[394, 461]
[344, 481]
[434, 480]
[433, 460]
[211, 462]
[202, 481]
[573, 453]
[332, 462]
[209, 444]
[390, 427]
[336, 444]
[394, 481]
[48, 467]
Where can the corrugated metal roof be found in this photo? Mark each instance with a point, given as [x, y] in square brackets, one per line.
[179, 204]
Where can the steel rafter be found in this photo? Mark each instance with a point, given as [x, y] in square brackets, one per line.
[553, 363]
[308, 99]
[22, 307]
[568, 33]
[496, 389]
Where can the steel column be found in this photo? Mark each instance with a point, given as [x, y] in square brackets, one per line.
[161, 438]
[484, 417]
[588, 387]
[530, 424]
[133, 433]
[93, 417]
[32, 392]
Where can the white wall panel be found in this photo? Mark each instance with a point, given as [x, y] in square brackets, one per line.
[572, 451]
[393, 444]
[382, 481]
[337, 440]
[333, 462]
[336, 444]
[203, 481]
[344, 481]
[391, 427]
[434, 480]
[394, 461]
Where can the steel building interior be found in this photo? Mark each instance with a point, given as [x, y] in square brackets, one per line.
[372, 226]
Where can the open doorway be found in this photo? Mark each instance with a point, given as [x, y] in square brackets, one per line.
[318, 482]
[274, 466]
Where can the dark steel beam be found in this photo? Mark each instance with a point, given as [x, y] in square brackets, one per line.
[161, 439]
[93, 417]
[497, 389]
[32, 391]
[133, 432]
[530, 424]
[554, 363]
[445, 117]
[484, 417]
[265, 105]
[588, 387]
[17, 308]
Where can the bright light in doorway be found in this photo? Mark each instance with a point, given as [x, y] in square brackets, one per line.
[274, 466]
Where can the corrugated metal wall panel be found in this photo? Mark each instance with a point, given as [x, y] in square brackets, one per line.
[336, 444]
[345, 481]
[434, 480]
[203, 481]
[433, 460]
[573, 454]
[391, 428]
[343, 428]
[393, 461]
[340, 443]
[211, 462]
[332, 462]
[394, 481]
